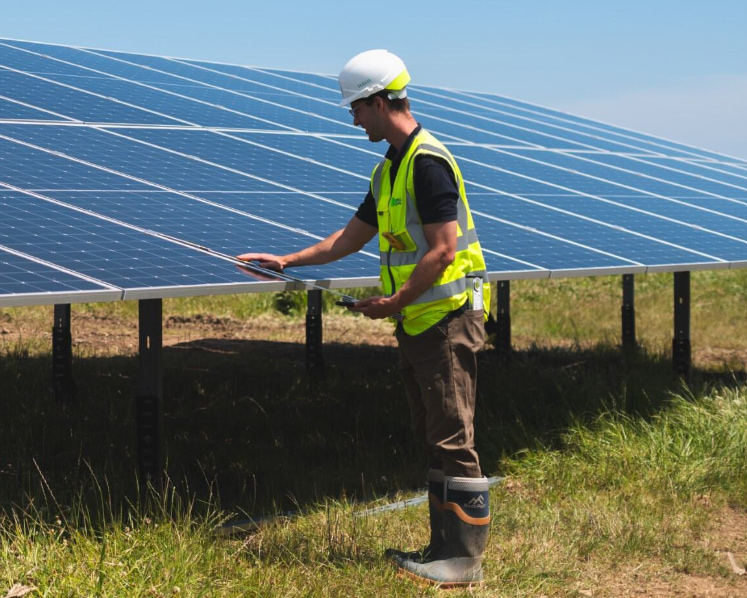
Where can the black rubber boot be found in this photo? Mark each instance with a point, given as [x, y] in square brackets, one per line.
[466, 524]
[436, 514]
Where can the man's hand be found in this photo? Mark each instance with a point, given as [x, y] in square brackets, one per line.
[376, 308]
[265, 260]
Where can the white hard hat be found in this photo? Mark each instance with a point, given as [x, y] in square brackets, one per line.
[370, 72]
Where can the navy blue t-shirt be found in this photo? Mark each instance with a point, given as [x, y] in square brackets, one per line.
[436, 191]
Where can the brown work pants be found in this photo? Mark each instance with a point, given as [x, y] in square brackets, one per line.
[439, 370]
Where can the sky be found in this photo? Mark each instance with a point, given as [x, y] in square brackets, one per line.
[672, 68]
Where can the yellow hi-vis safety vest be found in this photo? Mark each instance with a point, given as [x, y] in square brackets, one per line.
[402, 241]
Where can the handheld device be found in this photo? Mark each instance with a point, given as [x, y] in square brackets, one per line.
[345, 302]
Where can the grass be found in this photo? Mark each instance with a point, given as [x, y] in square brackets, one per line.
[615, 468]
[617, 493]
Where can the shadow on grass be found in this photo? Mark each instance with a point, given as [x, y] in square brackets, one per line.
[244, 427]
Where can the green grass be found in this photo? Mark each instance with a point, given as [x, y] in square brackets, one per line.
[615, 467]
[619, 492]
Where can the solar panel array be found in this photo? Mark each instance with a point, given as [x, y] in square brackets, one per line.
[114, 167]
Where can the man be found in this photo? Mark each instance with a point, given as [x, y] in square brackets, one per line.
[432, 274]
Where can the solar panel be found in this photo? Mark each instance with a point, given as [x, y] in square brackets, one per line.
[115, 168]
[37, 280]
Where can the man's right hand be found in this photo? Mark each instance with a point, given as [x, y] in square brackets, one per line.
[265, 260]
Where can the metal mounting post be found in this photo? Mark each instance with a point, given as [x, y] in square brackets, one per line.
[681, 343]
[314, 357]
[628, 313]
[503, 317]
[62, 355]
[150, 393]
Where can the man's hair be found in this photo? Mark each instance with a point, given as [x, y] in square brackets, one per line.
[399, 105]
[396, 105]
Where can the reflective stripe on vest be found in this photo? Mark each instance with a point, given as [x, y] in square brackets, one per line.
[449, 289]
[404, 258]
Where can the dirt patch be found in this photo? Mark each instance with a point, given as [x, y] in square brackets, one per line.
[727, 535]
[115, 334]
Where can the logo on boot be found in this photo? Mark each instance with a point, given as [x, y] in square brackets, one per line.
[475, 503]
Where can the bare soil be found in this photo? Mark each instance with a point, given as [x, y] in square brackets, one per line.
[727, 536]
[118, 335]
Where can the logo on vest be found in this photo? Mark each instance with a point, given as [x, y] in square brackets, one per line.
[395, 201]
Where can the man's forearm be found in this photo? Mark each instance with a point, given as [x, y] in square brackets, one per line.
[428, 269]
[323, 252]
[339, 244]
[336, 246]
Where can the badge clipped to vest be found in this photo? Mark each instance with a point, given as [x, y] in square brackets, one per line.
[476, 292]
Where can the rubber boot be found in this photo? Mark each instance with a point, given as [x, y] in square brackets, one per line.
[466, 524]
[436, 514]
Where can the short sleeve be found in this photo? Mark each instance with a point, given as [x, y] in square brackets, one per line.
[436, 191]
[367, 210]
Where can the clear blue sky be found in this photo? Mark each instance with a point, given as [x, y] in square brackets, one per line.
[675, 68]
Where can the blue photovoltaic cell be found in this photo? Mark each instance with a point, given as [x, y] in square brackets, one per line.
[234, 153]
[126, 258]
[112, 150]
[177, 71]
[329, 82]
[105, 251]
[538, 250]
[15, 111]
[498, 263]
[260, 107]
[250, 74]
[653, 144]
[253, 159]
[280, 111]
[508, 173]
[175, 104]
[269, 102]
[581, 174]
[73, 103]
[90, 60]
[30, 168]
[240, 79]
[317, 215]
[543, 217]
[722, 172]
[450, 130]
[235, 223]
[491, 130]
[653, 226]
[354, 156]
[689, 184]
[303, 83]
[31, 62]
[549, 134]
[20, 276]
[731, 167]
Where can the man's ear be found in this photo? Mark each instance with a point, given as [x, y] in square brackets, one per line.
[380, 103]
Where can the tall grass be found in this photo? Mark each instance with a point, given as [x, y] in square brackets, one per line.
[620, 494]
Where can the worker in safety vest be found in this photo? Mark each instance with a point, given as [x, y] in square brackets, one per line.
[435, 284]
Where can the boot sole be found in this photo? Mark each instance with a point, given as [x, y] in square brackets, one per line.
[442, 585]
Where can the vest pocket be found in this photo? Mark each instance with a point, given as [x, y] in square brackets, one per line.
[400, 240]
